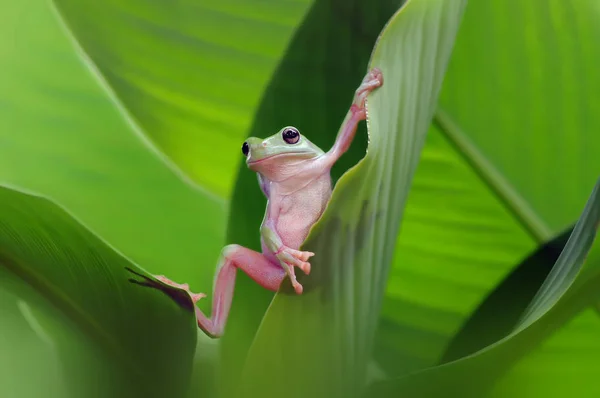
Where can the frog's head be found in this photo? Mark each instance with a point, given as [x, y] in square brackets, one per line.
[285, 148]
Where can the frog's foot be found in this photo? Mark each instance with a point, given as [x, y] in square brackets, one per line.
[152, 283]
[295, 258]
[184, 286]
[291, 258]
[302, 259]
[159, 282]
[372, 80]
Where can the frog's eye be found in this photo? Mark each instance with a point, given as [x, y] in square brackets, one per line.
[245, 148]
[290, 135]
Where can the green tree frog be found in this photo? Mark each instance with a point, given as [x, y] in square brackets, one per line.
[294, 175]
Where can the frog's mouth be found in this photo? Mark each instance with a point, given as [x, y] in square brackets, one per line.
[298, 153]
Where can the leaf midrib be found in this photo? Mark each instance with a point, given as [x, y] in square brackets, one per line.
[518, 207]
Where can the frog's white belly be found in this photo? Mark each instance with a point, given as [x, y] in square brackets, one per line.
[301, 209]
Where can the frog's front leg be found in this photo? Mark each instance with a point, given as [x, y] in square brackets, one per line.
[287, 257]
[233, 257]
[356, 113]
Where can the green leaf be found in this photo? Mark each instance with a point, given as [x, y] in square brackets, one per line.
[310, 89]
[565, 293]
[501, 310]
[545, 85]
[510, 160]
[73, 321]
[190, 73]
[63, 136]
[319, 343]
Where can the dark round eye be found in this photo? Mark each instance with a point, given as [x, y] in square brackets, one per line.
[245, 148]
[290, 135]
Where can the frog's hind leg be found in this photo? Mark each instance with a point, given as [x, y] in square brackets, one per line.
[258, 267]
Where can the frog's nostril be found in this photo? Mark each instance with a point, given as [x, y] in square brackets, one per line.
[245, 148]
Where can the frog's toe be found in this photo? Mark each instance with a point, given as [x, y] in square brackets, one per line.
[298, 287]
[301, 255]
[305, 267]
[169, 282]
[184, 286]
[196, 296]
[295, 261]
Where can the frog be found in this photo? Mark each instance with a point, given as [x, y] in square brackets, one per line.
[294, 175]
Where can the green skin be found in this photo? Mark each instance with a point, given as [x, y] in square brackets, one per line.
[293, 173]
[275, 145]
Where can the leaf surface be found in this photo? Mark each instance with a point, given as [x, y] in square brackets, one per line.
[566, 292]
[63, 136]
[311, 90]
[190, 72]
[334, 319]
[72, 322]
[509, 162]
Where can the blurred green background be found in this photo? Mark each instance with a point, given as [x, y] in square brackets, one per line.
[130, 114]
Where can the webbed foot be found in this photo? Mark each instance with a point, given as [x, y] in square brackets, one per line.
[295, 258]
[372, 80]
[148, 282]
[184, 286]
